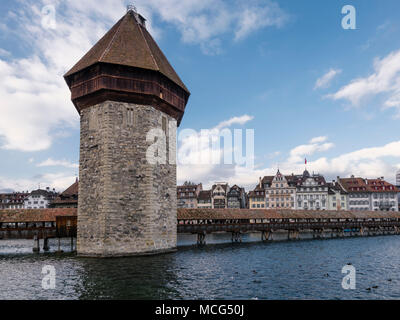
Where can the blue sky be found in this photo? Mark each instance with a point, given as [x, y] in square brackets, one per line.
[260, 59]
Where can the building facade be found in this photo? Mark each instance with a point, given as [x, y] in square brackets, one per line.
[398, 187]
[204, 199]
[187, 195]
[220, 195]
[398, 178]
[337, 197]
[236, 197]
[359, 195]
[13, 200]
[39, 199]
[68, 198]
[384, 196]
[370, 194]
[257, 197]
[311, 192]
[280, 191]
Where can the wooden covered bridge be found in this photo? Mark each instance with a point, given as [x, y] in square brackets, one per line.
[38, 224]
[291, 222]
[61, 223]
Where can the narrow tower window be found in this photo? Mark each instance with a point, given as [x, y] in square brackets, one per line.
[164, 125]
[130, 117]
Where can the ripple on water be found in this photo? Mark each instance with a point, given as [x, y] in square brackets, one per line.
[285, 270]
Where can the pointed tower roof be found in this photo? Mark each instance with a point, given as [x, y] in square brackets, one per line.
[128, 43]
[126, 65]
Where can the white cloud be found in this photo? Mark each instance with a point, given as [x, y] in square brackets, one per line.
[317, 144]
[385, 80]
[258, 16]
[235, 120]
[59, 181]
[58, 163]
[205, 22]
[199, 160]
[319, 139]
[326, 79]
[367, 162]
[4, 53]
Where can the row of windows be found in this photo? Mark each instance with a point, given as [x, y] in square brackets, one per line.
[359, 195]
[342, 204]
[317, 196]
[313, 189]
[359, 203]
[386, 203]
[386, 196]
[311, 204]
[281, 191]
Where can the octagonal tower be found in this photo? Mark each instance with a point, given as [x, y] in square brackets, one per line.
[122, 88]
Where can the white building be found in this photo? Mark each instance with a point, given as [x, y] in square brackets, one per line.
[311, 192]
[384, 196]
[371, 194]
[39, 199]
[337, 197]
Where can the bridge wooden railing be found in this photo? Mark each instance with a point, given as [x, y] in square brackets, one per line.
[188, 226]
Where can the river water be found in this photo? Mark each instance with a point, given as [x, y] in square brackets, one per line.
[310, 269]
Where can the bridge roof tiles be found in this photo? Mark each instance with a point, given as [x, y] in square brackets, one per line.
[244, 214]
[35, 215]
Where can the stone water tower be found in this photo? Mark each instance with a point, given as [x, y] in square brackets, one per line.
[122, 88]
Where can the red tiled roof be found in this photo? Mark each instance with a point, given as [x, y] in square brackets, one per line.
[72, 190]
[355, 185]
[35, 215]
[208, 214]
[204, 195]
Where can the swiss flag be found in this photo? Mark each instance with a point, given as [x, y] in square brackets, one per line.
[305, 160]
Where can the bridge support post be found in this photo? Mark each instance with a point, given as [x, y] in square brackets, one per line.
[46, 246]
[293, 234]
[201, 239]
[236, 237]
[72, 244]
[265, 235]
[59, 245]
[36, 244]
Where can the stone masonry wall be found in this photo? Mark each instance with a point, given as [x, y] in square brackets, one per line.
[126, 205]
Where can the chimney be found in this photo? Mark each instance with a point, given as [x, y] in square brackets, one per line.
[260, 183]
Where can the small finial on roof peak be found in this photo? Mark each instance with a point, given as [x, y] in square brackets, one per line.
[131, 7]
[139, 18]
